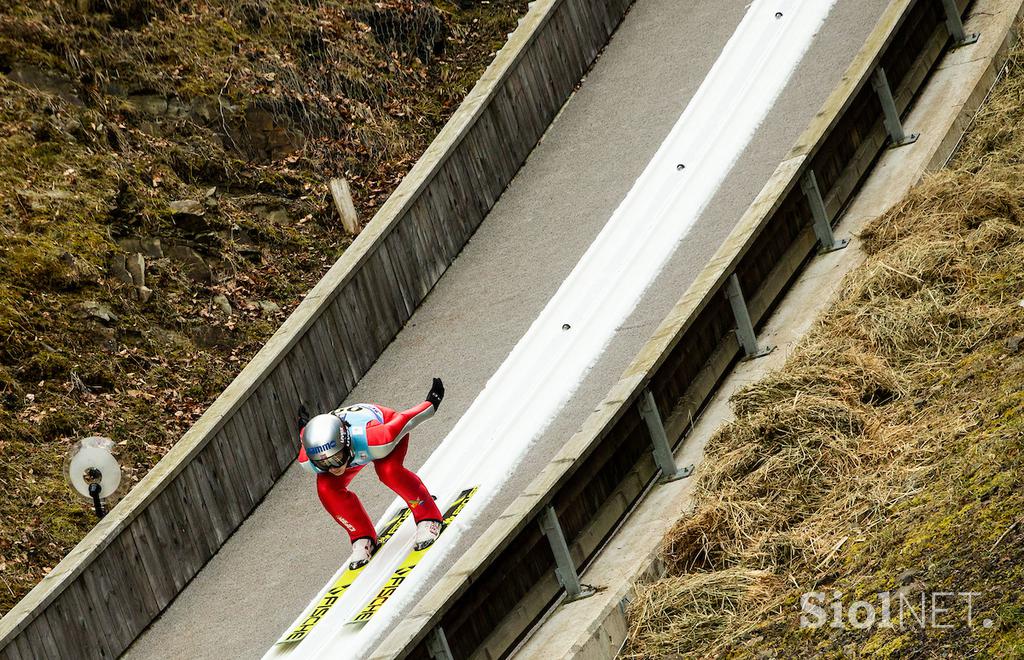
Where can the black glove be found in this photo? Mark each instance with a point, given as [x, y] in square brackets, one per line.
[303, 417]
[436, 393]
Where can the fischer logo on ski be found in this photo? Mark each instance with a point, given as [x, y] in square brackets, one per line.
[410, 562]
[332, 595]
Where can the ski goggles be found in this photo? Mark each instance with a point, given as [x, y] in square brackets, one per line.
[332, 462]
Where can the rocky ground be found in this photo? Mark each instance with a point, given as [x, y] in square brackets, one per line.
[878, 476]
[164, 205]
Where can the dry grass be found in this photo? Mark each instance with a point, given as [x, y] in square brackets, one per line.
[891, 439]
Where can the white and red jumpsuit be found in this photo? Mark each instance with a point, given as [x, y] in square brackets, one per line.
[379, 436]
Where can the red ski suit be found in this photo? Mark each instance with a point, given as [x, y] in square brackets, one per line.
[387, 441]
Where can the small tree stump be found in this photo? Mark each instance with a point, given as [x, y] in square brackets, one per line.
[343, 202]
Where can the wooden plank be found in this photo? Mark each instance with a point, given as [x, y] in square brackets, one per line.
[343, 203]
[410, 260]
[190, 521]
[522, 109]
[531, 76]
[152, 557]
[283, 416]
[482, 143]
[562, 70]
[559, 63]
[579, 40]
[376, 315]
[285, 394]
[16, 650]
[447, 225]
[537, 75]
[319, 347]
[10, 651]
[260, 448]
[225, 481]
[326, 346]
[266, 432]
[454, 228]
[284, 431]
[82, 612]
[424, 263]
[238, 452]
[132, 567]
[326, 367]
[347, 374]
[460, 201]
[361, 345]
[100, 614]
[127, 589]
[20, 648]
[530, 106]
[521, 123]
[61, 615]
[383, 288]
[207, 497]
[355, 332]
[503, 167]
[517, 147]
[432, 213]
[306, 375]
[482, 176]
[236, 467]
[185, 547]
[433, 262]
[40, 638]
[107, 607]
[397, 255]
[435, 213]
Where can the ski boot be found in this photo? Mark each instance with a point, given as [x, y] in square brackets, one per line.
[362, 550]
[427, 532]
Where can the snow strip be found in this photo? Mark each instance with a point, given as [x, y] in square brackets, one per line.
[544, 369]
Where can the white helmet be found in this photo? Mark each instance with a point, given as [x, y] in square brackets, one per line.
[328, 442]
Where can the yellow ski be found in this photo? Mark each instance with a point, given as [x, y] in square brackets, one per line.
[332, 595]
[413, 558]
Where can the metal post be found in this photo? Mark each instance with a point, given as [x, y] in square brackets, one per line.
[662, 452]
[955, 26]
[892, 117]
[827, 241]
[744, 327]
[565, 570]
[93, 477]
[437, 645]
[97, 503]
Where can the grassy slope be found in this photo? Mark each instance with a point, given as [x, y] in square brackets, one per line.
[887, 454]
[112, 109]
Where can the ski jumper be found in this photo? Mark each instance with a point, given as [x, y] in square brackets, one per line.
[379, 436]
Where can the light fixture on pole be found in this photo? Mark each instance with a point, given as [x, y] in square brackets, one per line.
[92, 471]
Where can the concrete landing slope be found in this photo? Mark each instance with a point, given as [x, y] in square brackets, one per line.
[596, 627]
[573, 181]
